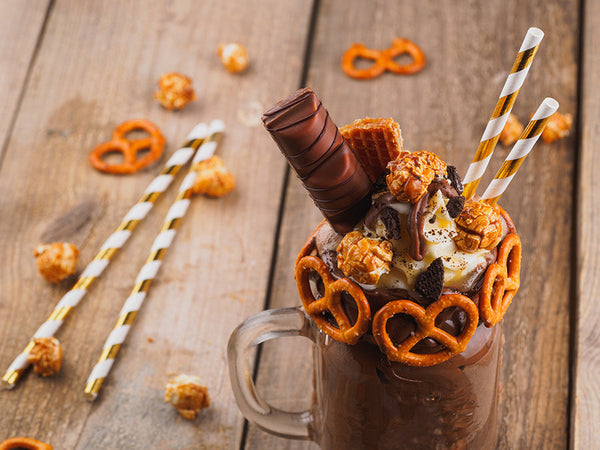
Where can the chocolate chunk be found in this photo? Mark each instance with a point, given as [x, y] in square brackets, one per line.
[430, 283]
[317, 151]
[454, 178]
[389, 217]
[455, 206]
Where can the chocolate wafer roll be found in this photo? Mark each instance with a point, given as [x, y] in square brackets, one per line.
[316, 150]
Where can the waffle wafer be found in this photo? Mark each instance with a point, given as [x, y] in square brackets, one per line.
[375, 141]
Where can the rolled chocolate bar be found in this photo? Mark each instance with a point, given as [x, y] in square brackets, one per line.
[316, 150]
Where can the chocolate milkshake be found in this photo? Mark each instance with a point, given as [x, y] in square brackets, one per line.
[365, 401]
[405, 281]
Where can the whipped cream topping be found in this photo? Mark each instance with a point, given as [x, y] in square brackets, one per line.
[460, 268]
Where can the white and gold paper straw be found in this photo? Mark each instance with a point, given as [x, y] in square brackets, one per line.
[148, 272]
[520, 150]
[494, 127]
[110, 247]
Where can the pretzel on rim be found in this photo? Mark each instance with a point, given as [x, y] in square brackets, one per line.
[501, 281]
[332, 301]
[384, 59]
[129, 148]
[426, 328]
[332, 297]
[23, 442]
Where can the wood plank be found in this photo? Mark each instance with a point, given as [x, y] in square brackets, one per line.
[585, 410]
[98, 66]
[470, 48]
[21, 23]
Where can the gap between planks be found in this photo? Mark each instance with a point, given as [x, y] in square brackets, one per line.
[310, 37]
[25, 83]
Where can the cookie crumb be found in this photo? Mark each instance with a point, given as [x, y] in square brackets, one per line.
[431, 282]
[454, 178]
[455, 206]
[380, 184]
[389, 217]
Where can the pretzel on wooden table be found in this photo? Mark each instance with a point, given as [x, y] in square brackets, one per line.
[23, 442]
[129, 148]
[383, 59]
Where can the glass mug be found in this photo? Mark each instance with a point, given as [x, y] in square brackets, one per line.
[361, 400]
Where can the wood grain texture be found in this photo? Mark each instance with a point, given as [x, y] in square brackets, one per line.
[97, 66]
[470, 48]
[21, 22]
[585, 407]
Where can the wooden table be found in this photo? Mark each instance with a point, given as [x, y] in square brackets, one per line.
[72, 70]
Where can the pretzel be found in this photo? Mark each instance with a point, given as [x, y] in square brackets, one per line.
[332, 301]
[501, 281]
[23, 442]
[129, 148]
[426, 328]
[383, 59]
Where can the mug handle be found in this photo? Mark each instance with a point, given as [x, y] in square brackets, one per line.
[259, 328]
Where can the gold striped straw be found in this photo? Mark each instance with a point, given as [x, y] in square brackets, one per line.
[519, 152]
[148, 272]
[509, 93]
[108, 250]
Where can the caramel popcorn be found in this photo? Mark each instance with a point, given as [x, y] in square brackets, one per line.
[364, 259]
[213, 178]
[411, 174]
[511, 131]
[187, 395]
[233, 56]
[56, 261]
[175, 92]
[46, 356]
[478, 227]
[558, 127]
